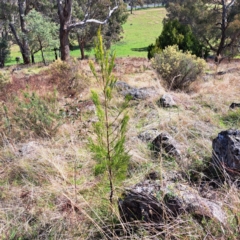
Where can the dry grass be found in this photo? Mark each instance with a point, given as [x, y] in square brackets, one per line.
[47, 186]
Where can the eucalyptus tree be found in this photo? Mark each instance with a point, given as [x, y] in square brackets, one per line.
[14, 12]
[111, 31]
[41, 33]
[67, 23]
[134, 3]
[215, 22]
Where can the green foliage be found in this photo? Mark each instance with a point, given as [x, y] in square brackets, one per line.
[111, 127]
[215, 23]
[42, 34]
[38, 115]
[4, 50]
[175, 33]
[232, 119]
[4, 79]
[178, 69]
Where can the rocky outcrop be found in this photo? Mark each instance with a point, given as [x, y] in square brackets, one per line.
[151, 202]
[148, 135]
[135, 93]
[166, 142]
[166, 101]
[234, 105]
[226, 150]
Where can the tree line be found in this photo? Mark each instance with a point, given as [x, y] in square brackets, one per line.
[55, 24]
[202, 27]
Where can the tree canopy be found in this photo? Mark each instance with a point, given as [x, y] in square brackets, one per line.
[215, 22]
[41, 33]
[176, 33]
[67, 14]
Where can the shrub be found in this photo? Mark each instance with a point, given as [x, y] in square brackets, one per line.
[178, 69]
[36, 115]
[67, 78]
[4, 79]
[175, 33]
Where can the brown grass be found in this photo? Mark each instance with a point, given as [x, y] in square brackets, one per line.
[50, 191]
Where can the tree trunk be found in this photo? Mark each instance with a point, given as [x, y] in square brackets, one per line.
[55, 53]
[41, 49]
[25, 53]
[64, 44]
[64, 13]
[82, 50]
[25, 47]
[43, 57]
[81, 45]
[32, 56]
[2, 64]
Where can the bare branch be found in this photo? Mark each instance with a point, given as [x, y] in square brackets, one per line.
[230, 4]
[86, 20]
[209, 44]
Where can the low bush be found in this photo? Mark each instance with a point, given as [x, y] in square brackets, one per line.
[67, 78]
[177, 69]
[4, 79]
[37, 115]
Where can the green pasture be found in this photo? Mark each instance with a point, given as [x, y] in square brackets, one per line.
[140, 30]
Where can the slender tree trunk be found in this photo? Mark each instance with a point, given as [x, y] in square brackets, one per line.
[43, 57]
[2, 64]
[55, 52]
[223, 34]
[82, 50]
[81, 45]
[41, 49]
[32, 56]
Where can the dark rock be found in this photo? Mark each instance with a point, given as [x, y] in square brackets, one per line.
[166, 142]
[135, 93]
[226, 150]
[234, 105]
[122, 86]
[153, 175]
[148, 135]
[138, 204]
[166, 101]
[151, 202]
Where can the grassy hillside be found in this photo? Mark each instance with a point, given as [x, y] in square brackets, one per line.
[48, 189]
[49, 186]
[141, 29]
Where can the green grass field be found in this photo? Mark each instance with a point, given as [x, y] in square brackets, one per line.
[141, 29]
